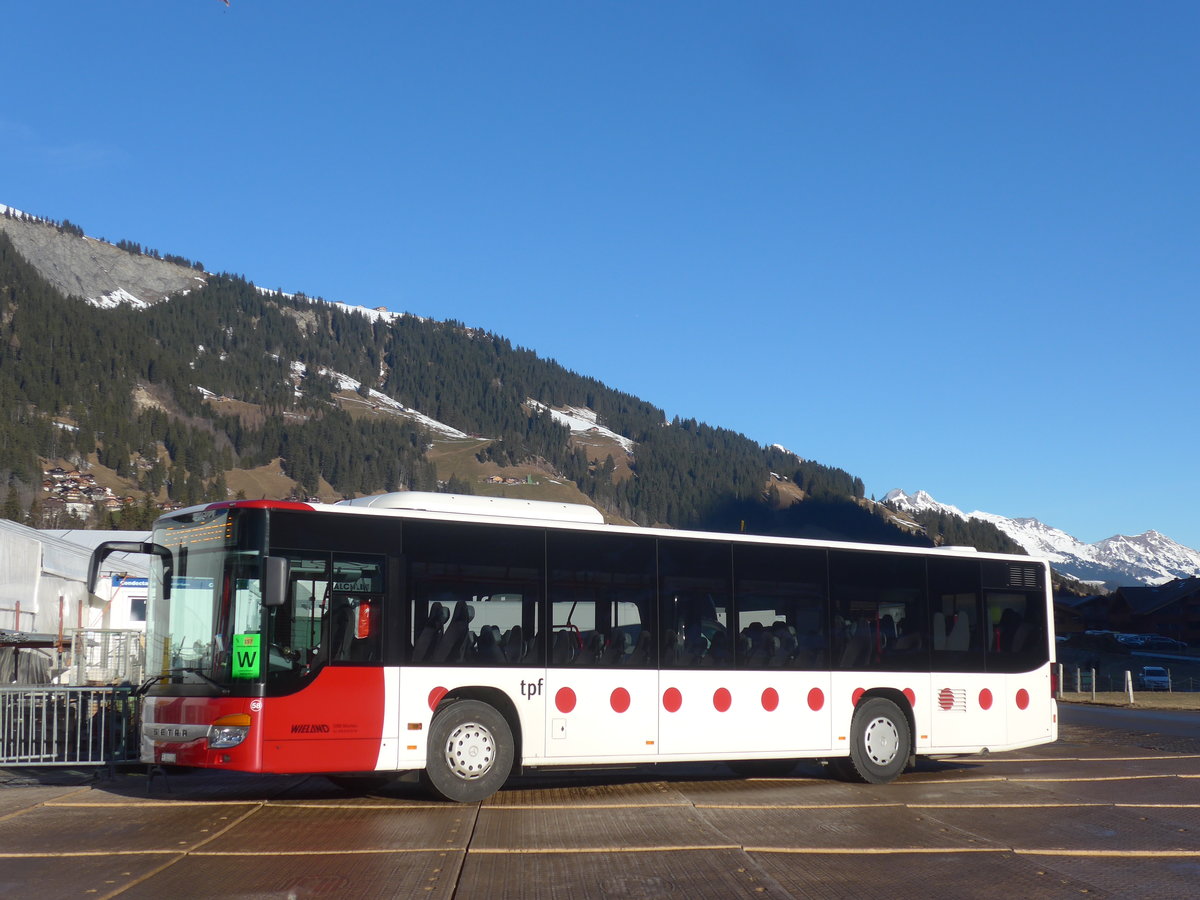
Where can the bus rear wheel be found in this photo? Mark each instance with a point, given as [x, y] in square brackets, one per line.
[470, 753]
[880, 744]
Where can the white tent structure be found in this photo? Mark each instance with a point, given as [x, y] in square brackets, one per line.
[44, 601]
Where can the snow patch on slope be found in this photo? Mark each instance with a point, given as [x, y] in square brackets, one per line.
[119, 297]
[376, 398]
[582, 420]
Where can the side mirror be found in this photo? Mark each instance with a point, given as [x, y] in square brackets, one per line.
[276, 572]
[103, 550]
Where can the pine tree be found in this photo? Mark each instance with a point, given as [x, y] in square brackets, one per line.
[12, 505]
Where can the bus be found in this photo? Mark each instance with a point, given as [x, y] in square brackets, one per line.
[471, 638]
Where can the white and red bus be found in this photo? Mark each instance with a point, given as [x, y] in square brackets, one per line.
[471, 638]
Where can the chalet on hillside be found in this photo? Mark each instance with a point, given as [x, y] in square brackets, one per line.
[1171, 609]
[1074, 614]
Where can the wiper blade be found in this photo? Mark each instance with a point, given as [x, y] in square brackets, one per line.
[200, 674]
[145, 685]
[179, 670]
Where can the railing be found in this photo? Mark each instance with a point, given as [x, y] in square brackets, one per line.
[107, 656]
[51, 725]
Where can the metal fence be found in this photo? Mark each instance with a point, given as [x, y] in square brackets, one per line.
[51, 725]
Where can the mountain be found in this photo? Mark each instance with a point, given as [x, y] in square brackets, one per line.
[133, 381]
[97, 271]
[1145, 559]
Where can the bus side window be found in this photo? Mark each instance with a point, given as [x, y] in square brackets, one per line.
[956, 633]
[1018, 636]
[1014, 593]
[695, 591]
[782, 607]
[294, 630]
[474, 593]
[876, 596]
[601, 590]
[354, 615]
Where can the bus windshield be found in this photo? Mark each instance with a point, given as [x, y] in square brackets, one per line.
[207, 630]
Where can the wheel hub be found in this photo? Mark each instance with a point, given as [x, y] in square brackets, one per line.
[470, 751]
[881, 741]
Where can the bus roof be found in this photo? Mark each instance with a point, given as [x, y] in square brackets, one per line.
[473, 505]
[464, 507]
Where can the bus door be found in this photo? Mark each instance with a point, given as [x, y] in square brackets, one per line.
[331, 709]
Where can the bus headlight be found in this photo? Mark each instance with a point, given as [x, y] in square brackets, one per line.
[228, 731]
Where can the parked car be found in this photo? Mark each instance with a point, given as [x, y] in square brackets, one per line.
[1132, 640]
[1154, 678]
[1158, 642]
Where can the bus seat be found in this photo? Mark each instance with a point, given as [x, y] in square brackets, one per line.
[787, 646]
[887, 628]
[513, 644]
[939, 631]
[695, 647]
[487, 646]
[908, 642]
[959, 638]
[643, 653]
[619, 649]
[563, 650]
[672, 648]
[453, 643]
[1021, 637]
[592, 650]
[431, 632]
[718, 649]
[857, 652]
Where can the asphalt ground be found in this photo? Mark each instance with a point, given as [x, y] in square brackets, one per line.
[1104, 812]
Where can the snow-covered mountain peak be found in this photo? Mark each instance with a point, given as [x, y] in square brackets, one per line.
[1149, 558]
[920, 502]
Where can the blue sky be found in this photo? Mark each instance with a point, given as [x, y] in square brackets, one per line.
[944, 246]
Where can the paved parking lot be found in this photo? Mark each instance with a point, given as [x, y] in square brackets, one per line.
[1100, 813]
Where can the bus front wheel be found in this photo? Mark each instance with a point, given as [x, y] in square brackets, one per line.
[880, 743]
[470, 753]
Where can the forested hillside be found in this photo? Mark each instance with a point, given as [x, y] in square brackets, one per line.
[177, 398]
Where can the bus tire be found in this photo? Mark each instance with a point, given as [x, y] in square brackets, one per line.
[880, 743]
[470, 753]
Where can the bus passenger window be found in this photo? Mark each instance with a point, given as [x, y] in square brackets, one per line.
[1014, 595]
[601, 590]
[694, 604]
[354, 618]
[956, 637]
[782, 607]
[875, 597]
[474, 593]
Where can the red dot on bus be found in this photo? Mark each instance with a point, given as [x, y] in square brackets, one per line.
[985, 699]
[911, 696]
[856, 696]
[1022, 699]
[770, 699]
[619, 700]
[722, 700]
[816, 699]
[436, 695]
[672, 699]
[565, 700]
